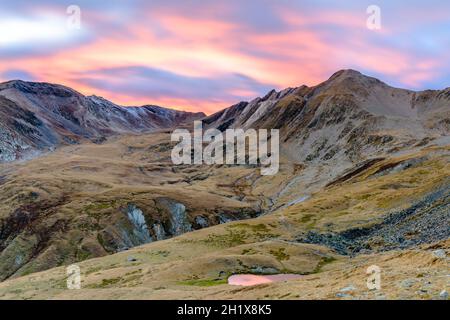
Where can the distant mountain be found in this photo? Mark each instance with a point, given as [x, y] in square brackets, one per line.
[36, 117]
[346, 118]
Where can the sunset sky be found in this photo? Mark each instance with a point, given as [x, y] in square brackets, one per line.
[206, 55]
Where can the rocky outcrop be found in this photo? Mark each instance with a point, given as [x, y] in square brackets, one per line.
[42, 234]
[178, 220]
[140, 229]
[424, 222]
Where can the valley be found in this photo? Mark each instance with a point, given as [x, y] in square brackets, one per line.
[363, 180]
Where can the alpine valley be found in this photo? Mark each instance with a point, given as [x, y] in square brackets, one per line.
[364, 179]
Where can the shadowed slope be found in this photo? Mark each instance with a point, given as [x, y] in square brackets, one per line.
[61, 116]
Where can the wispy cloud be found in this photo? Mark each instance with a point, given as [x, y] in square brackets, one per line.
[206, 55]
[142, 82]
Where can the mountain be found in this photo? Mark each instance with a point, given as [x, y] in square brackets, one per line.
[83, 205]
[37, 117]
[344, 119]
[363, 179]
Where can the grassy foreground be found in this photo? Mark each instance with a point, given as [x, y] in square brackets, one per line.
[196, 265]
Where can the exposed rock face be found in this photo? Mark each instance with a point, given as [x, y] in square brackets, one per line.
[172, 220]
[21, 132]
[179, 223]
[201, 221]
[140, 229]
[42, 235]
[37, 117]
[158, 230]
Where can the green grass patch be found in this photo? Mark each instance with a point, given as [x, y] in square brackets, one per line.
[280, 254]
[248, 251]
[306, 218]
[322, 263]
[230, 239]
[105, 283]
[253, 227]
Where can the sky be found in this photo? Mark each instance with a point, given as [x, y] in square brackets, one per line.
[207, 55]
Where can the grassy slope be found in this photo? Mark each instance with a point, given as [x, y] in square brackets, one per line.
[76, 193]
[195, 265]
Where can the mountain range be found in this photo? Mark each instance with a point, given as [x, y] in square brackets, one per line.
[38, 117]
[364, 178]
[349, 117]
[343, 115]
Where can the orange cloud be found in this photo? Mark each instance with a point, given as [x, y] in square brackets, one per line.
[305, 49]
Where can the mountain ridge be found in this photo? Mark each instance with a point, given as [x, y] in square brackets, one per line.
[350, 113]
[60, 115]
[358, 106]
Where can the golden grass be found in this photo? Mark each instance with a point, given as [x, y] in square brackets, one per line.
[195, 265]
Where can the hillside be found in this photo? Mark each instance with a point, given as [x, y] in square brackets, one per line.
[304, 238]
[37, 117]
[363, 180]
[345, 119]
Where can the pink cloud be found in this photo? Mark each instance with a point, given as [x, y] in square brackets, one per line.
[306, 49]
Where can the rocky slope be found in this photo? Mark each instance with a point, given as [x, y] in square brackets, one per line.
[345, 119]
[36, 117]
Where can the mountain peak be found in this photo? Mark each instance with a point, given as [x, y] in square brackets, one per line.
[38, 116]
[349, 79]
[43, 88]
[346, 73]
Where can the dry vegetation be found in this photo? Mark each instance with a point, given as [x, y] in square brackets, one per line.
[91, 189]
